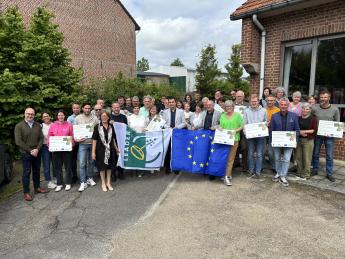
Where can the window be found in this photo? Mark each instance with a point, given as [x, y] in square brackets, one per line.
[315, 65]
[330, 68]
[297, 68]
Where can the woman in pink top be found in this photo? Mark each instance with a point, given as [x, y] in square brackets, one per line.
[296, 105]
[62, 128]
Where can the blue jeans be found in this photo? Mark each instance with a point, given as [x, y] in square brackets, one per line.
[85, 162]
[329, 145]
[255, 145]
[30, 163]
[46, 158]
[282, 156]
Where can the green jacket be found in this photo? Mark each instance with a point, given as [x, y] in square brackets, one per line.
[27, 138]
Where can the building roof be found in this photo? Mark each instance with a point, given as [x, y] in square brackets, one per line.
[272, 7]
[137, 27]
[147, 73]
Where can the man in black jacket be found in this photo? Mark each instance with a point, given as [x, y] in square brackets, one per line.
[116, 116]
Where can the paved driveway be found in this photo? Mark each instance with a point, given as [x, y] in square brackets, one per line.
[154, 217]
[74, 225]
[251, 219]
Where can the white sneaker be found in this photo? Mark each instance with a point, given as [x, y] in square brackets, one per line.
[51, 185]
[82, 187]
[227, 181]
[91, 182]
[284, 182]
[54, 180]
[67, 187]
[275, 178]
[58, 188]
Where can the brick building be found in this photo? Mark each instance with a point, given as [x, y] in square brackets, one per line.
[100, 35]
[303, 48]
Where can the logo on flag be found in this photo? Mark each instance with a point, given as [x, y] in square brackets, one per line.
[143, 151]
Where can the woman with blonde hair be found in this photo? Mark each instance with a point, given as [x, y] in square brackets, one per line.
[231, 120]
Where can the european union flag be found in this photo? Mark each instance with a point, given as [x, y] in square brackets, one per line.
[195, 152]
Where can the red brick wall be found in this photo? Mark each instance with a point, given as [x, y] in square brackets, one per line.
[99, 34]
[322, 20]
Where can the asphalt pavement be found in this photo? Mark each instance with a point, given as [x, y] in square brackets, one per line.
[72, 224]
[185, 216]
[251, 219]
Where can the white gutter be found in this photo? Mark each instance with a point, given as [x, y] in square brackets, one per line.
[263, 53]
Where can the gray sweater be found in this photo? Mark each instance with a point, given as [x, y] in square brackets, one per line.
[329, 114]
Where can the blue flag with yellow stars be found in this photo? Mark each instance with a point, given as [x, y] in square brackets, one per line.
[195, 152]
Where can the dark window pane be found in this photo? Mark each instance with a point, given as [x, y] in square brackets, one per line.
[330, 69]
[297, 65]
[342, 114]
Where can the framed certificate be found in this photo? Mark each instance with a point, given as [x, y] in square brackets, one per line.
[156, 124]
[60, 143]
[284, 139]
[240, 109]
[226, 137]
[256, 130]
[82, 131]
[332, 129]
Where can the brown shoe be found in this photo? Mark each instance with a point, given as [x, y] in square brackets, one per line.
[41, 190]
[27, 197]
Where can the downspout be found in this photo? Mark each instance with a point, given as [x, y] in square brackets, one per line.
[263, 53]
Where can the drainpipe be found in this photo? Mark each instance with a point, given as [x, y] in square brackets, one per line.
[263, 53]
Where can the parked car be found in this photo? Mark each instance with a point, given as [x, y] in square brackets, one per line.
[6, 165]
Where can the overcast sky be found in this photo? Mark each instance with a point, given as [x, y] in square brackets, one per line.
[181, 28]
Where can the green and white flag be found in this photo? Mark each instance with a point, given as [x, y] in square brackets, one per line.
[142, 151]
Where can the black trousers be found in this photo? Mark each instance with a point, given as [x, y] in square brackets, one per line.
[74, 161]
[60, 159]
[31, 164]
[167, 159]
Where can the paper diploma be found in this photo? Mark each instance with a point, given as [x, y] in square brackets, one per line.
[82, 131]
[284, 139]
[156, 124]
[332, 129]
[256, 130]
[60, 143]
[226, 137]
[240, 109]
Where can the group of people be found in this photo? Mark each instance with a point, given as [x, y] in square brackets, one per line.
[99, 153]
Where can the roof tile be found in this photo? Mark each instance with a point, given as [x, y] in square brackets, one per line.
[252, 5]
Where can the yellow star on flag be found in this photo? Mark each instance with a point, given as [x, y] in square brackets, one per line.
[207, 163]
[190, 156]
[201, 165]
[212, 142]
[191, 142]
[194, 163]
[203, 135]
[212, 150]
[196, 137]
[188, 148]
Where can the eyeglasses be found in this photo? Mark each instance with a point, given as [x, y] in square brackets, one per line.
[98, 109]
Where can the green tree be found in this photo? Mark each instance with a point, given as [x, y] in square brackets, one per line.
[207, 71]
[143, 64]
[177, 63]
[235, 71]
[35, 70]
